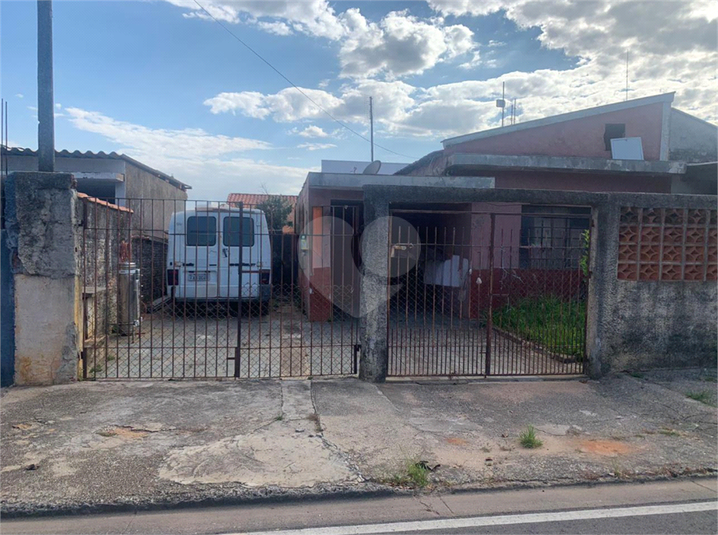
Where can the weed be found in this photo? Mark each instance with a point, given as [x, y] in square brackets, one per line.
[314, 417]
[279, 418]
[95, 370]
[528, 438]
[703, 396]
[669, 432]
[709, 379]
[110, 358]
[555, 324]
[637, 375]
[415, 474]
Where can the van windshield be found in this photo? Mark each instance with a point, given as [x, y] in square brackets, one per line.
[230, 232]
[201, 231]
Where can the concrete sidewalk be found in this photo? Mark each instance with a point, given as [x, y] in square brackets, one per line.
[94, 446]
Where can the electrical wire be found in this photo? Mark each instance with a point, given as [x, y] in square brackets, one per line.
[295, 86]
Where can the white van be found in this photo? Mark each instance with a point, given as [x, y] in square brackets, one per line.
[204, 254]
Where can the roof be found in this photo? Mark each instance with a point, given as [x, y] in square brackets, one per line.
[563, 117]
[253, 199]
[18, 151]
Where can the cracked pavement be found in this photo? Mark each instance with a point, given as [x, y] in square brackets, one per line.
[95, 446]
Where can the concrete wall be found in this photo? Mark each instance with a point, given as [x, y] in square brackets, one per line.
[677, 318]
[691, 139]
[43, 231]
[152, 200]
[7, 315]
[577, 137]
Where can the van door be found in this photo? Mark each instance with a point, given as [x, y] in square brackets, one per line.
[198, 270]
[232, 240]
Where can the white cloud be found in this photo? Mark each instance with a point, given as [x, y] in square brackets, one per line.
[207, 162]
[397, 45]
[400, 44]
[316, 146]
[312, 131]
[19, 95]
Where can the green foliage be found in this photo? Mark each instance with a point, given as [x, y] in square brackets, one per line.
[586, 244]
[703, 396]
[558, 326]
[528, 438]
[415, 475]
[277, 211]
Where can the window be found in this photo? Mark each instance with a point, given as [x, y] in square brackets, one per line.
[230, 232]
[613, 131]
[201, 231]
[551, 236]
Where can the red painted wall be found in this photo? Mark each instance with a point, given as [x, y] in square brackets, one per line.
[578, 137]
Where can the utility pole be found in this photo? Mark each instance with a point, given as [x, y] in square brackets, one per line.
[371, 127]
[45, 95]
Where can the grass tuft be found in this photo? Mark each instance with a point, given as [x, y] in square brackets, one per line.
[703, 396]
[416, 474]
[528, 438]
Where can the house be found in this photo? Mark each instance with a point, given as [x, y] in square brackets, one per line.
[117, 179]
[542, 245]
[572, 151]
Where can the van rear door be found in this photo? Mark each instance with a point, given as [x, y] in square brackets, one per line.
[198, 272]
[238, 233]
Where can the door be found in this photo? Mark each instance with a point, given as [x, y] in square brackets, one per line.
[239, 245]
[198, 270]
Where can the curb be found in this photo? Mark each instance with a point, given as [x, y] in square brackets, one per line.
[281, 496]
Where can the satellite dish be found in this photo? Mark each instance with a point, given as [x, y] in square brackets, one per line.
[372, 168]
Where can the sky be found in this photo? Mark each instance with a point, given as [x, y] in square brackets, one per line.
[168, 84]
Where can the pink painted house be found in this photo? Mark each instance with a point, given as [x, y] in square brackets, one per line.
[569, 152]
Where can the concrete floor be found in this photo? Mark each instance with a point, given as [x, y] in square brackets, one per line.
[282, 343]
[135, 443]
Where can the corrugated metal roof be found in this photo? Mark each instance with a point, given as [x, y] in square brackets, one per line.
[19, 151]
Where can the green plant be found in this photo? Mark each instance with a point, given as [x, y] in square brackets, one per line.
[637, 375]
[97, 368]
[415, 474]
[277, 211]
[669, 432]
[528, 438]
[279, 418]
[703, 396]
[586, 245]
[557, 325]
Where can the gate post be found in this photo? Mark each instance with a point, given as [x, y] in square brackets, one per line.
[602, 284]
[42, 235]
[374, 357]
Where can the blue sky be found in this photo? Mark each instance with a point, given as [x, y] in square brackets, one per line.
[166, 84]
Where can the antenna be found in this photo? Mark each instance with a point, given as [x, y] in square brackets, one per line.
[371, 127]
[626, 74]
[501, 102]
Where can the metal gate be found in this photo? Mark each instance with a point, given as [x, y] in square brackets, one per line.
[493, 292]
[199, 289]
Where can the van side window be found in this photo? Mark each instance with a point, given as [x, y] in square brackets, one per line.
[230, 232]
[201, 231]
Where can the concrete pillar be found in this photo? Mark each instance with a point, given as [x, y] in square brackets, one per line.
[43, 238]
[373, 358]
[602, 286]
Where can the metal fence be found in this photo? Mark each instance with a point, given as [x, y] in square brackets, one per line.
[220, 294]
[478, 293]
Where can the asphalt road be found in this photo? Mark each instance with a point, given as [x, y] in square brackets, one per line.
[683, 506]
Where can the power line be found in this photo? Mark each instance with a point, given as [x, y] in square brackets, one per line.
[340, 123]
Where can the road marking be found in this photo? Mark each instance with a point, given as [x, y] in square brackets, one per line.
[502, 520]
